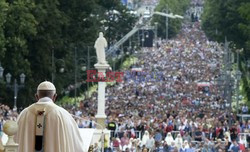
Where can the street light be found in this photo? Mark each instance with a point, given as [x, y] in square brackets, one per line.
[168, 16]
[156, 28]
[76, 71]
[85, 65]
[53, 64]
[15, 86]
[1, 71]
[238, 77]
[113, 60]
[142, 36]
[225, 83]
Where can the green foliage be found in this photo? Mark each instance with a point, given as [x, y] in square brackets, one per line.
[30, 31]
[4, 9]
[19, 28]
[176, 7]
[244, 26]
[232, 20]
[219, 14]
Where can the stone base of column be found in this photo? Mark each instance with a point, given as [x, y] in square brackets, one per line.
[100, 119]
[100, 136]
[101, 67]
[11, 148]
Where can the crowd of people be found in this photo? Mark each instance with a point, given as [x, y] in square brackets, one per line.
[168, 101]
[6, 113]
[159, 105]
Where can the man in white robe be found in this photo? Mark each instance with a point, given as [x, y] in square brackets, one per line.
[60, 132]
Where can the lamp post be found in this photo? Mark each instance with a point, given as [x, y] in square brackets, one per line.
[226, 81]
[15, 86]
[90, 58]
[156, 30]
[1, 71]
[53, 64]
[124, 50]
[167, 16]
[85, 65]
[54, 67]
[142, 37]
[113, 60]
[220, 82]
[76, 61]
[229, 81]
[166, 23]
[112, 16]
[238, 77]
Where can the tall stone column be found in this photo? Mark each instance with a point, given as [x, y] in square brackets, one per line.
[101, 133]
[101, 116]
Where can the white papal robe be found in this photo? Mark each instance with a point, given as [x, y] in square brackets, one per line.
[61, 131]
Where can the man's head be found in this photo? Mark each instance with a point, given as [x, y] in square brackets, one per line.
[46, 89]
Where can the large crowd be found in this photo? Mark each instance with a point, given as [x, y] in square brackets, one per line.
[168, 101]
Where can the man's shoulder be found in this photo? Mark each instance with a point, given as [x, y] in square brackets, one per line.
[62, 110]
[25, 110]
[48, 107]
[23, 113]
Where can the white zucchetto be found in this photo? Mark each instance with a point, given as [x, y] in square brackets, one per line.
[46, 85]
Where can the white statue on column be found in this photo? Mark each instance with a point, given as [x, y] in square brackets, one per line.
[100, 45]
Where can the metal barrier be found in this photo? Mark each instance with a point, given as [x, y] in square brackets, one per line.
[137, 134]
[245, 135]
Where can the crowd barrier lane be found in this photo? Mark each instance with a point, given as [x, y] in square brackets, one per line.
[246, 135]
[137, 134]
[134, 134]
[201, 142]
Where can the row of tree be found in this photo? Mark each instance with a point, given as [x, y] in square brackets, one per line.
[33, 33]
[230, 19]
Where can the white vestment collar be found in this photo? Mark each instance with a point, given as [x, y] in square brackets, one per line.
[45, 99]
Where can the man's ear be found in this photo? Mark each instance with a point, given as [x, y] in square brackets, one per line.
[54, 97]
[37, 97]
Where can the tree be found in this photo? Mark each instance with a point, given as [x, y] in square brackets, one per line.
[231, 19]
[3, 13]
[34, 32]
[20, 26]
[244, 26]
[49, 37]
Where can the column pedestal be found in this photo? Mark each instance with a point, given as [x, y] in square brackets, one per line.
[101, 133]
